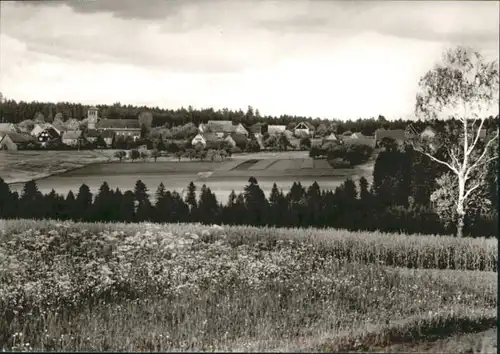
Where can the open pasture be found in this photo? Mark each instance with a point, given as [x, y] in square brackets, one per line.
[220, 176]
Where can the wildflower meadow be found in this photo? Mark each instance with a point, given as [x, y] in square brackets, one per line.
[164, 287]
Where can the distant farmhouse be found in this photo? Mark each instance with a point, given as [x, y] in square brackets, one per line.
[303, 129]
[121, 127]
[398, 135]
[259, 129]
[71, 137]
[221, 127]
[45, 133]
[10, 140]
[205, 139]
[276, 129]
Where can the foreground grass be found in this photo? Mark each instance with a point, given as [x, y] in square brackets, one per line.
[409, 251]
[145, 287]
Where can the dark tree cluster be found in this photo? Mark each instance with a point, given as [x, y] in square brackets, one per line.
[339, 154]
[350, 206]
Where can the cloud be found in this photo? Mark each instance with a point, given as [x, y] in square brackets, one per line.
[142, 43]
[472, 23]
[125, 9]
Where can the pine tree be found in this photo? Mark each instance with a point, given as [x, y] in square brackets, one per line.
[143, 205]
[256, 203]
[313, 206]
[83, 203]
[8, 202]
[278, 207]
[180, 210]
[69, 206]
[51, 207]
[191, 201]
[127, 206]
[228, 209]
[161, 204]
[103, 207]
[31, 203]
[208, 206]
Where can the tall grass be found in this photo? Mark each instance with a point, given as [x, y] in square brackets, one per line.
[147, 287]
[410, 251]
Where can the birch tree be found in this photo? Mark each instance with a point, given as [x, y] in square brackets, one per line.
[464, 87]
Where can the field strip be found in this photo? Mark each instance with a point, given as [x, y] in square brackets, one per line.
[228, 166]
[307, 163]
[282, 165]
[245, 165]
[262, 164]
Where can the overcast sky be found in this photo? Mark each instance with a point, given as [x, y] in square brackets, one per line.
[345, 59]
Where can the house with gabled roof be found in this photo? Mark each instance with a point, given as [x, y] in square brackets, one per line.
[303, 128]
[205, 139]
[236, 139]
[220, 127]
[357, 136]
[276, 129]
[331, 137]
[121, 127]
[40, 127]
[14, 140]
[45, 133]
[71, 137]
[410, 131]
[259, 128]
[398, 135]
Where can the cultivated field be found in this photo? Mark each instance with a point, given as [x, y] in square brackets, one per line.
[221, 176]
[22, 166]
[146, 287]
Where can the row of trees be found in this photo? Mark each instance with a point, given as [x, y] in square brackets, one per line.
[347, 207]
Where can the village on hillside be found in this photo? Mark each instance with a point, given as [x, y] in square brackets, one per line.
[100, 132]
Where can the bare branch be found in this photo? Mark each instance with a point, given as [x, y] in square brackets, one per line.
[439, 161]
[478, 134]
[454, 158]
[478, 161]
[472, 189]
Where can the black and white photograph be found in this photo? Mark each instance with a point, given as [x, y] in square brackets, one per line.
[249, 176]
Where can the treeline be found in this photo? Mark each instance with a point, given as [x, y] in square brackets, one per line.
[16, 112]
[349, 206]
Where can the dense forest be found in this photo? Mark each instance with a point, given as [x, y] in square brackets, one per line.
[399, 199]
[16, 112]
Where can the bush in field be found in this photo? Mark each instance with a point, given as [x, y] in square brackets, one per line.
[144, 155]
[120, 155]
[305, 141]
[134, 154]
[155, 153]
[252, 146]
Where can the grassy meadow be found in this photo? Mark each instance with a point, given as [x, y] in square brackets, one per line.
[150, 287]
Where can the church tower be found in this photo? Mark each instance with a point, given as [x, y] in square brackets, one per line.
[91, 117]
